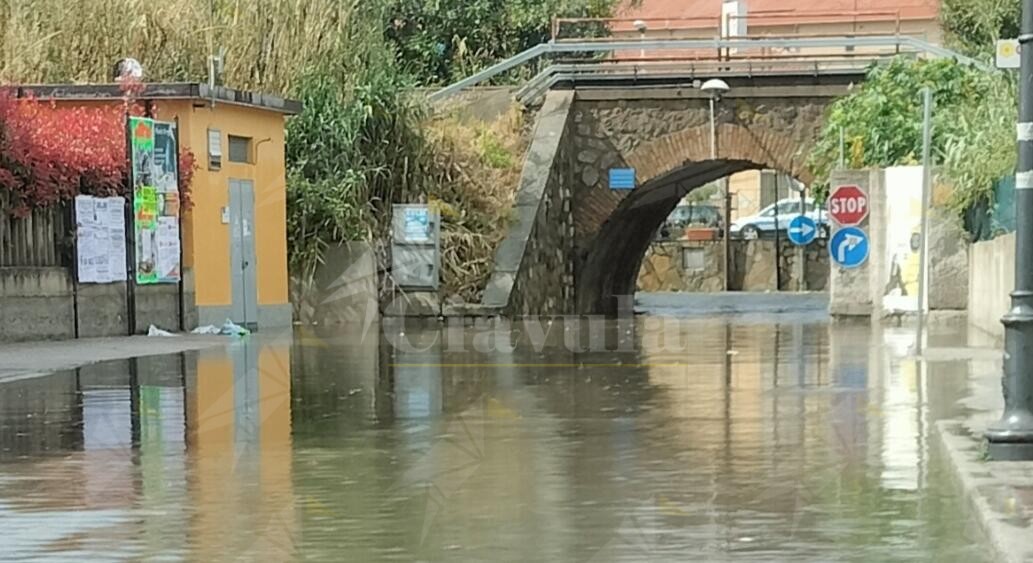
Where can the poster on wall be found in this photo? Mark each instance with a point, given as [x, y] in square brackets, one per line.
[100, 239]
[156, 205]
[903, 238]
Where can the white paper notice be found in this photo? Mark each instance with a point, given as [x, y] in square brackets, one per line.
[168, 248]
[100, 238]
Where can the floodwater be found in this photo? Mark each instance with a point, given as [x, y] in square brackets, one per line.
[701, 439]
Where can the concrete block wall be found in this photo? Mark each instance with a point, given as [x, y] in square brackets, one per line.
[102, 310]
[343, 290]
[36, 303]
[45, 304]
[991, 271]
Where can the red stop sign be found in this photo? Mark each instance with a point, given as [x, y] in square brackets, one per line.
[848, 205]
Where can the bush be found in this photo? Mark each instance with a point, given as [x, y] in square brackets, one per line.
[881, 121]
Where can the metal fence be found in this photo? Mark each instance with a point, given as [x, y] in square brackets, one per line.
[990, 219]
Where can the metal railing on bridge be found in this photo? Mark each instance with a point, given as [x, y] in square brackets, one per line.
[686, 53]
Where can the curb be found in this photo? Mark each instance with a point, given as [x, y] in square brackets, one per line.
[1010, 541]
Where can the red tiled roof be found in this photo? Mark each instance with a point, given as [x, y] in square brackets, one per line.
[908, 9]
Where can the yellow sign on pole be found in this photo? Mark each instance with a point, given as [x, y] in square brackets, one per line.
[1007, 53]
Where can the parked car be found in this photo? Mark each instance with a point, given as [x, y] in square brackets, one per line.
[780, 213]
[698, 215]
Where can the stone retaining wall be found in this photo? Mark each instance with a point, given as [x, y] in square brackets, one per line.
[534, 269]
[664, 267]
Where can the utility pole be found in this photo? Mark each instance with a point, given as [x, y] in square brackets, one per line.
[1011, 438]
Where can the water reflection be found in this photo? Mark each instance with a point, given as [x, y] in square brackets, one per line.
[714, 440]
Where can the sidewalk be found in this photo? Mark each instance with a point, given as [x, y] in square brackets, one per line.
[999, 493]
[30, 359]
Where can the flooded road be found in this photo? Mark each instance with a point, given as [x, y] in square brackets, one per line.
[695, 439]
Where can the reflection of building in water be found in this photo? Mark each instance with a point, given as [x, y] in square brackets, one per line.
[898, 390]
[239, 424]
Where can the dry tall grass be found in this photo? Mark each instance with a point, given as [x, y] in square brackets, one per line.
[268, 43]
[479, 167]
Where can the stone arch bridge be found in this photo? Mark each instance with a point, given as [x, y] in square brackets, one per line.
[575, 245]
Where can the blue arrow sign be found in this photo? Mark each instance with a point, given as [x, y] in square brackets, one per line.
[802, 230]
[849, 247]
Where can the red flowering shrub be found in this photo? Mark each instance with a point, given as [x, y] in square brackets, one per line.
[51, 153]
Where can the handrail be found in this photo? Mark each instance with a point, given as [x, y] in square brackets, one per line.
[715, 44]
[719, 22]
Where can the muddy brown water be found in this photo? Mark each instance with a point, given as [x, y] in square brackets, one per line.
[712, 439]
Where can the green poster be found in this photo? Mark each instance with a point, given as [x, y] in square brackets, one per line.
[155, 200]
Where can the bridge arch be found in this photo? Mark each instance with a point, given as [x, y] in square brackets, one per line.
[669, 168]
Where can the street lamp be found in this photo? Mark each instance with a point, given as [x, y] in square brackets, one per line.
[715, 87]
[642, 27]
[1011, 438]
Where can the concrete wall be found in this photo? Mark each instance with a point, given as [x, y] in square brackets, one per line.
[851, 291]
[44, 304]
[860, 291]
[483, 104]
[991, 280]
[949, 263]
[343, 290]
[36, 303]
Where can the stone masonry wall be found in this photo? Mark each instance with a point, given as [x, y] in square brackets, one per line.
[658, 136]
[534, 270]
[667, 141]
[753, 267]
[663, 268]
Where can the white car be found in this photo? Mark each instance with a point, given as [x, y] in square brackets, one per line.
[780, 213]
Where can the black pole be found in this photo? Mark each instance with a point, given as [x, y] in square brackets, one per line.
[130, 220]
[1011, 438]
[179, 218]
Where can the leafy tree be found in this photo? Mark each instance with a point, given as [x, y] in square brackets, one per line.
[443, 40]
[974, 26]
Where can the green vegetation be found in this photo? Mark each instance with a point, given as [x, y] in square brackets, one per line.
[973, 117]
[974, 26]
[364, 140]
[881, 121]
[441, 41]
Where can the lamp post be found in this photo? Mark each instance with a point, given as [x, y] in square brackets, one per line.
[715, 87]
[642, 27]
[1011, 438]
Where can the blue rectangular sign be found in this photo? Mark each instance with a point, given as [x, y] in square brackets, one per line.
[622, 178]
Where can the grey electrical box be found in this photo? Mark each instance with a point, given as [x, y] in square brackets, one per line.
[415, 246]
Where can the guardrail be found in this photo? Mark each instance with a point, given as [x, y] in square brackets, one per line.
[727, 51]
[723, 26]
[636, 71]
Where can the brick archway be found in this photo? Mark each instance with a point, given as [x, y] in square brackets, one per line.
[767, 148]
[669, 168]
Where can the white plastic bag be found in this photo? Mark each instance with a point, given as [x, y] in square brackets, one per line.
[155, 331]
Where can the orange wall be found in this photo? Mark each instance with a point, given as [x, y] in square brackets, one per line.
[206, 240]
[209, 243]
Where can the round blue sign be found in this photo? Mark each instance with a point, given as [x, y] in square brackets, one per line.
[849, 247]
[802, 230]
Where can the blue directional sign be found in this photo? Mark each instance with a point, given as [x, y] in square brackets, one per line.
[802, 230]
[622, 178]
[849, 247]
